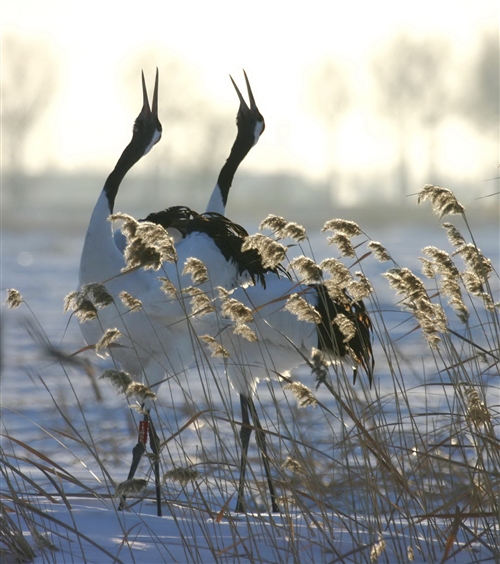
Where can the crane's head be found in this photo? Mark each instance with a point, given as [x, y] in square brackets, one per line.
[147, 127]
[249, 120]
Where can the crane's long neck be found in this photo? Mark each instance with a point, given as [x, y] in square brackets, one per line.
[218, 199]
[100, 257]
[127, 160]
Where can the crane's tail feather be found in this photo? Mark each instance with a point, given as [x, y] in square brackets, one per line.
[226, 234]
[343, 338]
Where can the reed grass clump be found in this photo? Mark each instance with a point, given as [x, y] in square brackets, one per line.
[119, 380]
[308, 271]
[302, 309]
[272, 253]
[379, 251]
[218, 351]
[148, 244]
[344, 231]
[133, 304]
[201, 304]
[302, 394]
[124, 384]
[131, 488]
[442, 199]
[236, 311]
[183, 476]
[283, 229]
[197, 269]
[109, 337]
[405, 470]
[245, 331]
[430, 316]
[85, 303]
[14, 298]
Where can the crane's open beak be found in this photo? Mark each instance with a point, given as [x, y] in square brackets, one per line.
[253, 105]
[243, 104]
[145, 102]
[155, 95]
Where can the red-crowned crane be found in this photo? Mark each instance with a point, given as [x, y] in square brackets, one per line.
[155, 341]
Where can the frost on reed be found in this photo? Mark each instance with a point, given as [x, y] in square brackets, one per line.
[168, 287]
[109, 337]
[271, 252]
[302, 394]
[84, 303]
[118, 379]
[430, 317]
[140, 391]
[244, 331]
[440, 262]
[283, 229]
[14, 298]
[302, 309]
[307, 269]
[346, 326]
[377, 551]
[474, 278]
[344, 231]
[293, 465]
[183, 476]
[131, 488]
[341, 279]
[201, 304]
[124, 384]
[343, 243]
[475, 260]
[477, 413]
[443, 200]
[453, 234]
[319, 366]
[198, 271]
[236, 311]
[379, 251]
[218, 351]
[360, 289]
[129, 301]
[340, 275]
[348, 228]
[477, 274]
[148, 244]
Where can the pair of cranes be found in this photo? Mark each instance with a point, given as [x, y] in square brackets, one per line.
[157, 338]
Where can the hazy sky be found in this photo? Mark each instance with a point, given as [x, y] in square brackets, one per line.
[277, 42]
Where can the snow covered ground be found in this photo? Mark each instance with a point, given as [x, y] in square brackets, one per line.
[67, 440]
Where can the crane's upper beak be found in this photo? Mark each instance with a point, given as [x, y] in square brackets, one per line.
[244, 105]
[145, 102]
[253, 105]
[155, 95]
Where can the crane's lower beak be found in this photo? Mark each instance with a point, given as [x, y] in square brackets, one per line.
[155, 96]
[145, 102]
[244, 105]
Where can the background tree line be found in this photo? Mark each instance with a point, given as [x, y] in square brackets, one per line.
[416, 82]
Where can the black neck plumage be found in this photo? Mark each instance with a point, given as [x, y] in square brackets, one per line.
[129, 157]
[239, 151]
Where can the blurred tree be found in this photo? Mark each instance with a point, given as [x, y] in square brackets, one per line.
[196, 137]
[479, 97]
[28, 84]
[412, 80]
[327, 94]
